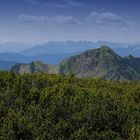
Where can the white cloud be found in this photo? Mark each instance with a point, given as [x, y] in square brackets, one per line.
[64, 19]
[46, 20]
[103, 20]
[107, 18]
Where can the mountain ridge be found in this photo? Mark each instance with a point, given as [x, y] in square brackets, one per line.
[54, 52]
[34, 67]
[57, 47]
[102, 62]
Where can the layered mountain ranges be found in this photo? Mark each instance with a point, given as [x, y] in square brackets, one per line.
[73, 47]
[54, 52]
[78, 57]
[102, 62]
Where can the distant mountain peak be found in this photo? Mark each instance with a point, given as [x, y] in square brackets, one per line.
[130, 57]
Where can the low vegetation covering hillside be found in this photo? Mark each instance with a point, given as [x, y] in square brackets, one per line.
[48, 107]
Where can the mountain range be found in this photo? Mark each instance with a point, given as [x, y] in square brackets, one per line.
[73, 47]
[54, 52]
[45, 58]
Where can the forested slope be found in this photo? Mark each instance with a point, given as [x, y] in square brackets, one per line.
[55, 107]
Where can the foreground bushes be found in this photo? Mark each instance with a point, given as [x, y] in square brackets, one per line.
[55, 107]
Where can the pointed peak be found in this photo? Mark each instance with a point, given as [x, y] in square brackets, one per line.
[105, 48]
[130, 57]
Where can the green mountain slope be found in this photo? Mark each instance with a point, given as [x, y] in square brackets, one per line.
[34, 67]
[102, 62]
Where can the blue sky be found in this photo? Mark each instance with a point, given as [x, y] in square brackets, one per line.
[40, 21]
